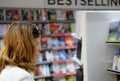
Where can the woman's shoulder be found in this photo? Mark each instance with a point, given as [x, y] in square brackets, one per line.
[17, 73]
[16, 70]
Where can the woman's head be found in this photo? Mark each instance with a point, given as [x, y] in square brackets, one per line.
[20, 47]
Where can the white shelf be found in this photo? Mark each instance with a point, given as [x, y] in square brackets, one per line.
[44, 62]
[113, 43]
[113, 71]
[40, 21]
[38, 77]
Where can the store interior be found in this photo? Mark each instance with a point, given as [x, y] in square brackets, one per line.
[91, 30]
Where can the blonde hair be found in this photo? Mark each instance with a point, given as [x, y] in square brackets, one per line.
[19, 47]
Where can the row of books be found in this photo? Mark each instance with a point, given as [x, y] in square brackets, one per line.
[56, 55]
[48, 28]
[35, 14]
[42, 70]
[54, 69]
[49, 42]
[51, 28]
[114, 32]
[63, 68]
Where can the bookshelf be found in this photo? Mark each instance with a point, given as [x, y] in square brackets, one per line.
[113, 40]
[56, 50]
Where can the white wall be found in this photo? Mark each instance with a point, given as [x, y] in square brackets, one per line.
[99, 54]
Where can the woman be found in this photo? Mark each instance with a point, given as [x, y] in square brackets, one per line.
[21, 46]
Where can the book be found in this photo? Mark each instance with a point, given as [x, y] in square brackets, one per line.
[113, 31]
[54, 27]
[40, 15]
[52, 14]
[16, 14]
[9, 14]
[66, 27]
[31, 15]
[62, 54]
[25, 14]
[70, 67]
[61, 14]
[69, 15]
[35, 15]
[68, 40]
[45, 14]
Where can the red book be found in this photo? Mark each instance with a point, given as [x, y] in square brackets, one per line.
[68, 40]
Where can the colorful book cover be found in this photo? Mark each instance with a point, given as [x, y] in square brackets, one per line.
[31, 15]
[55, 42]
[70, 15]
[36, 15]
[68, 40]
[119, 32]
[54, 27]
[9, 15]
[66, 27]
[40, 70]
[52, 14]
[62, 54]
[45, 14]
[16, 15]
[40, 15]
[25, 14]
[69, 78]
[113, 32]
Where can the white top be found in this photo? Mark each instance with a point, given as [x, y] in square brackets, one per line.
[15, 74]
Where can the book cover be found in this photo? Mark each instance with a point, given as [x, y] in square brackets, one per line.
[68, 40]
[36, 15]
[66, 27]
[69, 78]
[41, 70]
[55, 42]
[40, 15]
[54, 27]
[31, 14]
[69, 15]
[62, 68]
[113, 31]
[56, 68]
[25, 14]
[45, 14]
[9, 15]
[70, 67]
[62, 54]
[52, 14]
[16, 15]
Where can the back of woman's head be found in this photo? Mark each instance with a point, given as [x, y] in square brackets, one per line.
[19, 48]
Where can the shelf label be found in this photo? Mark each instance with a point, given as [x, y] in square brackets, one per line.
[83, 4]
